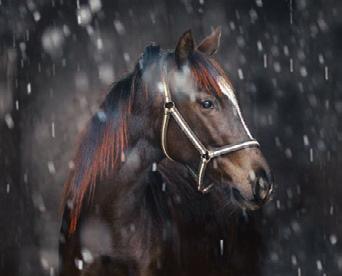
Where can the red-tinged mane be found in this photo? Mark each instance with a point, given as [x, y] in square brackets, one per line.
[101, 147]
[205, 70]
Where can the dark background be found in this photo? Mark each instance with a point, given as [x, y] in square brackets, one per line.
[58, 58]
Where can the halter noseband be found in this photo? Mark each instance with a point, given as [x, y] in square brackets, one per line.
[206, 155]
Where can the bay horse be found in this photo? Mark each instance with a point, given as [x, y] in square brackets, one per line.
[128, 210]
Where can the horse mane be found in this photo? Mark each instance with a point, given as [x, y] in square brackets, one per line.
[101, 147]
[102, 144]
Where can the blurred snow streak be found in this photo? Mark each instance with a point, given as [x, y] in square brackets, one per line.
[7, 73]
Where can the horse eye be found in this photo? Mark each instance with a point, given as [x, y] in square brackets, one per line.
[207, 104]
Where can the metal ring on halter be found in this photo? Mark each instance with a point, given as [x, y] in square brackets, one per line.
[206, 155]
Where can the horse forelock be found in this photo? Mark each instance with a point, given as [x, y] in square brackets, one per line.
[206, 72]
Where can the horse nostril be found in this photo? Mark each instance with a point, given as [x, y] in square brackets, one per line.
[261, 189]
[262, 186]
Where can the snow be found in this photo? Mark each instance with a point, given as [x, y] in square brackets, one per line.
[53, 134]
[95, 5]
[221, 247]
[53, 40]
[106, 73]
[282, 59]
[319, 265]
[120, 28]
[259, 3]
[36, 16]
[9, 120]
[79, 264]
[240, 73]
[154, 167]
[333, 239]
[306, 140]
[84, 15]
[51, 167]
[87, 256]
[28, 88]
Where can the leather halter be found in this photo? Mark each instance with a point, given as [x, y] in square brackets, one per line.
[206, 155]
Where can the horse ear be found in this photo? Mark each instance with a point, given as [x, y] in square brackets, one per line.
[184, 48]
[211, 43]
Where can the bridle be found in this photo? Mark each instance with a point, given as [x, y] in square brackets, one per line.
[206, 155]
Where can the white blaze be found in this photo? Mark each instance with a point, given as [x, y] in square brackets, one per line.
[228, 91]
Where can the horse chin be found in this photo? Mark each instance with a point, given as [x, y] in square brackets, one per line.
[247, 205]
[237, 199]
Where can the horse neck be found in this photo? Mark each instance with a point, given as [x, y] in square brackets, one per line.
[191, 227]
[140, 158]
[188, 209]
[131, 173]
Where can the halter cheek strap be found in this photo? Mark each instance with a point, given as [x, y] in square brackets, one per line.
[206, 155]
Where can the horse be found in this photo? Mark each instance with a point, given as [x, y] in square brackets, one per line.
[165, 172]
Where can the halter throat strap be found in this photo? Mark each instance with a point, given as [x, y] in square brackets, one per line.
[206, 155]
